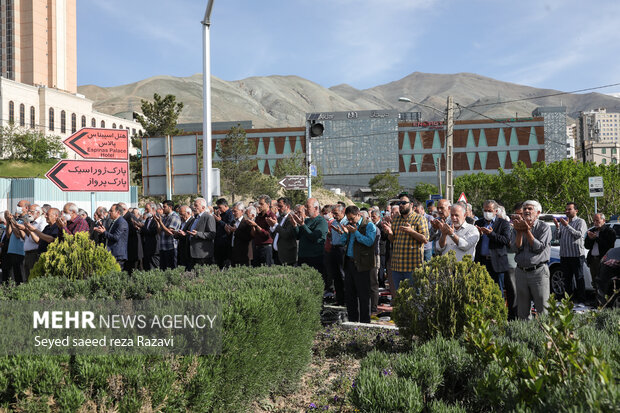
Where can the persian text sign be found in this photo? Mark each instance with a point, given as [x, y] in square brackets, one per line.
[101, 176]
[93, 143]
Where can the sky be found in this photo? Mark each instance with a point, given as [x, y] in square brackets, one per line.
[558, 44]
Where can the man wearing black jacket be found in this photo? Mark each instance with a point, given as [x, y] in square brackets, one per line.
[149, 232]
[134, 243]
[599, 239]
[491, 250]
[223, 216]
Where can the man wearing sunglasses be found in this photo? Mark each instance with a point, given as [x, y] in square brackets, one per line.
[408, 233]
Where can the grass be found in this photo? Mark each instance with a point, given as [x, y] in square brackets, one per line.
[24, 169]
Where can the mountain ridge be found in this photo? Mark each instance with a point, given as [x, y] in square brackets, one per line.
[283, 100]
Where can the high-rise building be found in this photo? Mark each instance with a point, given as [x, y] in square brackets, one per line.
[38, 43]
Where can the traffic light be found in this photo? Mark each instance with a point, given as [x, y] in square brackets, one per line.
[316, 129]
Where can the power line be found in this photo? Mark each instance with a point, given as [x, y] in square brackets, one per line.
[543, 96]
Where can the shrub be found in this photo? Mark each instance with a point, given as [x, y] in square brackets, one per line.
[75, 257]
[567, 368]
[573, 366]
[446, 294]
[270, 317]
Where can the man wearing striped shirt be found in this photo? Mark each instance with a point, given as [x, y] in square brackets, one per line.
[571, 233]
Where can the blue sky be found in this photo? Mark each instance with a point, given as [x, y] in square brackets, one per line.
[558, 44]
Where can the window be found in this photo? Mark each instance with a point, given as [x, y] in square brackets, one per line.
[604, 161]
[73, 123]
[114, 126]
[22, 115]
[51, 121]
[83, 121]
[11, 112]
[613, 151]
[63, 121]
[604, 151]
[120, 126]
[93, 123]
[103, 123]
[133, 131]
[32, 122]
[614, 161]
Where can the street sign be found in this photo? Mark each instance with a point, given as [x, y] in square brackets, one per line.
[101, 176]
[595, 183]
[94, 143]
[462, 198]
[294, 182]
[313, 171]
[435, 197]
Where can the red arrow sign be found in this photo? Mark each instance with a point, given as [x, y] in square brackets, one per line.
[93, 143]
[104, 176]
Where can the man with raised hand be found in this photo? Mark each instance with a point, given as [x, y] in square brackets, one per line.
[531, 239]
[571, 233]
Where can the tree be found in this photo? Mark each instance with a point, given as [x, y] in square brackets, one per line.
[159, 118]
[385, 186]
[423, 190]
[235, 163]
[28, 145]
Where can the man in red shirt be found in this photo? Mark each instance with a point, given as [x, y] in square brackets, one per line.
[74, 222]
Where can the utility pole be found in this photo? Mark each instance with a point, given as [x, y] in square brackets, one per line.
[449, 150]
[438, 168]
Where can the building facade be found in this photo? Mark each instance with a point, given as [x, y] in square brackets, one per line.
[38, 42]
[348, 157]
[597, 136]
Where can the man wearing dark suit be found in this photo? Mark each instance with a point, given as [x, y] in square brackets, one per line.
[134, 246]
[491, 250]
[149, 232]
[240, 235]
[101, 216]
[183, 256]
[599, 239]
[118, 235]
[223, 216]
[283, 234]
[202, 235]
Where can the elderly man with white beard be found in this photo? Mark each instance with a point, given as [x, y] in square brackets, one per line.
[458, 236]
[531, 240]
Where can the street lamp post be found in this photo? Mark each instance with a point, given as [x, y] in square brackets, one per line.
[207, 157]
[449, 144]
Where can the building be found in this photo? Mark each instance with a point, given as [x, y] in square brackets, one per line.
[571, 140]
[38, 75]
[38, 42]
[355, 146]
[602, 153]
[597, 136]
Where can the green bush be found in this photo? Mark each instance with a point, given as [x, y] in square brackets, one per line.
[75, 257]
[270, 317]
[571, 365]
[446, 294]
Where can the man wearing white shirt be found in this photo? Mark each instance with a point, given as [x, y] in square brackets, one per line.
[31, 248]
[283, 233]
[458, 236]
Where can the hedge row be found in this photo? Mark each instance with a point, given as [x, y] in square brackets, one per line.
[270, 317]
[528, 366]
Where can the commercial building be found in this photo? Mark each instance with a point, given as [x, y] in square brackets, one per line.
[38, 75]
[355, 146]
[596, 139]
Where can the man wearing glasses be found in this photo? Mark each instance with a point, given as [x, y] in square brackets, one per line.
[408, 233]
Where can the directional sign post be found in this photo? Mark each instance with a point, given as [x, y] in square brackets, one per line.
[294, 182]
[93, 143]
[595, 183]
[87, 176]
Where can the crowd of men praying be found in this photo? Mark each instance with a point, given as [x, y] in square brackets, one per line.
[357, 252]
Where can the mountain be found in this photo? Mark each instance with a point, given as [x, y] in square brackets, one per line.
[281, 101]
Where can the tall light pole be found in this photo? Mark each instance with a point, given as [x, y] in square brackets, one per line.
[207, 157]
[449, 113]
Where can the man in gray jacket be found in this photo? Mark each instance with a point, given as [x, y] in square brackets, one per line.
[531, 239]
[571, 233]
[201, 235]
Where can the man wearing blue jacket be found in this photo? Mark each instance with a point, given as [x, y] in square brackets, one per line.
[360, 234]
